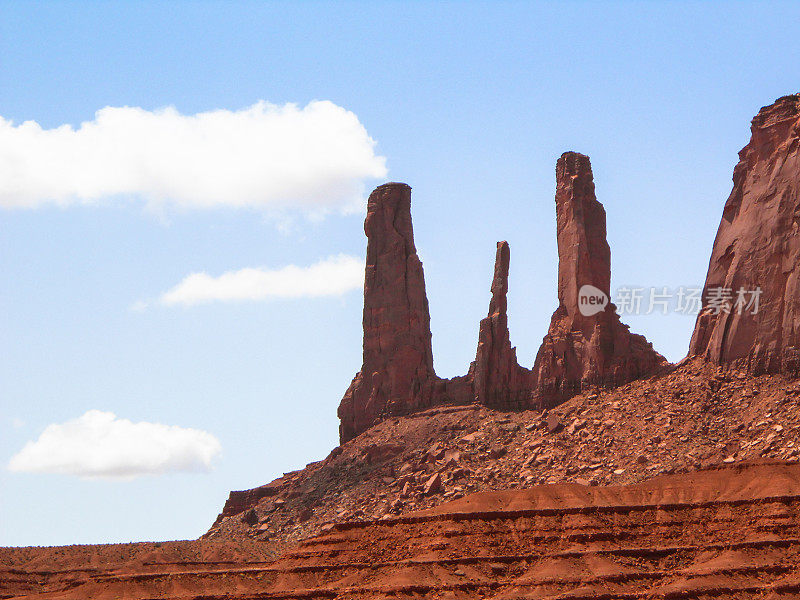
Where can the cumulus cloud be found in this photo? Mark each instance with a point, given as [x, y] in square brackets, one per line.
[275, 158]
[333, 276]
[99, 445]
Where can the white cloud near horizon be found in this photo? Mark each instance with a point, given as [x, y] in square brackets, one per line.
[332, 276]
[99, 445]
[314, 159]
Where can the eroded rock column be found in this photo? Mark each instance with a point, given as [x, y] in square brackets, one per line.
[583, 348]
[397, 375]
[497, 378]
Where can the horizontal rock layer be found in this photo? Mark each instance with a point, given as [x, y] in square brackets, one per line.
[730, 533]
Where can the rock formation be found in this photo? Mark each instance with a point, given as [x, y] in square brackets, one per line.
[751, 298]
[397, 375]
[497, 378]
[582, 349]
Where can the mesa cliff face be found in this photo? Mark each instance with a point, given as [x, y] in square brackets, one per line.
[757, 247]
[583, 350]
[397, 375]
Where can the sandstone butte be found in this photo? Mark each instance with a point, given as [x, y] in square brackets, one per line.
[397, 375]
[758, 247]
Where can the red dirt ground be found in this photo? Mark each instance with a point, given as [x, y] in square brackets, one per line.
[727, 532]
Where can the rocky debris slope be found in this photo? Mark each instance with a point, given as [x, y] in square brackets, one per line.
[725, 533]
[728, 532]
[397, 373]
[758, 247]
[582, 348]
[497, 378]
[694, 416]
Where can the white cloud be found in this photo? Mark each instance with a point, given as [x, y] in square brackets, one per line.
[99, 445]
[313, 159]
[333, 276]
[139, 306]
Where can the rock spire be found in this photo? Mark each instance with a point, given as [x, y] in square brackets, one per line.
[586, 345]
[497, 378]
[397, 375]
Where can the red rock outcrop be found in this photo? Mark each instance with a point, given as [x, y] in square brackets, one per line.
[581, 349]
[758, 248]
[497, 378]
[397, 375]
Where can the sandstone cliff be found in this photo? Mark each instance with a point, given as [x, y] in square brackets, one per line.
[751, 298]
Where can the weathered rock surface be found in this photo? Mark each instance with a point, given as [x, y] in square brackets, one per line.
[732, 532]
[581, 351]
[682, 419]
[397, 375]
[497, 378]
[758, 247]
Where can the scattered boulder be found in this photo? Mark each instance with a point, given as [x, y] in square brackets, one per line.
[553, 423]
[250, 517]
[304, 514]
[499, 452]
[433, 485]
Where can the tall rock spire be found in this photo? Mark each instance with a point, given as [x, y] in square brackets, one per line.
[585, 347]
[397, 375]
[584, 257]
[751, 312]
[498, 380]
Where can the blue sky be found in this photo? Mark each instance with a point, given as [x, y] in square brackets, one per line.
[469, 103]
